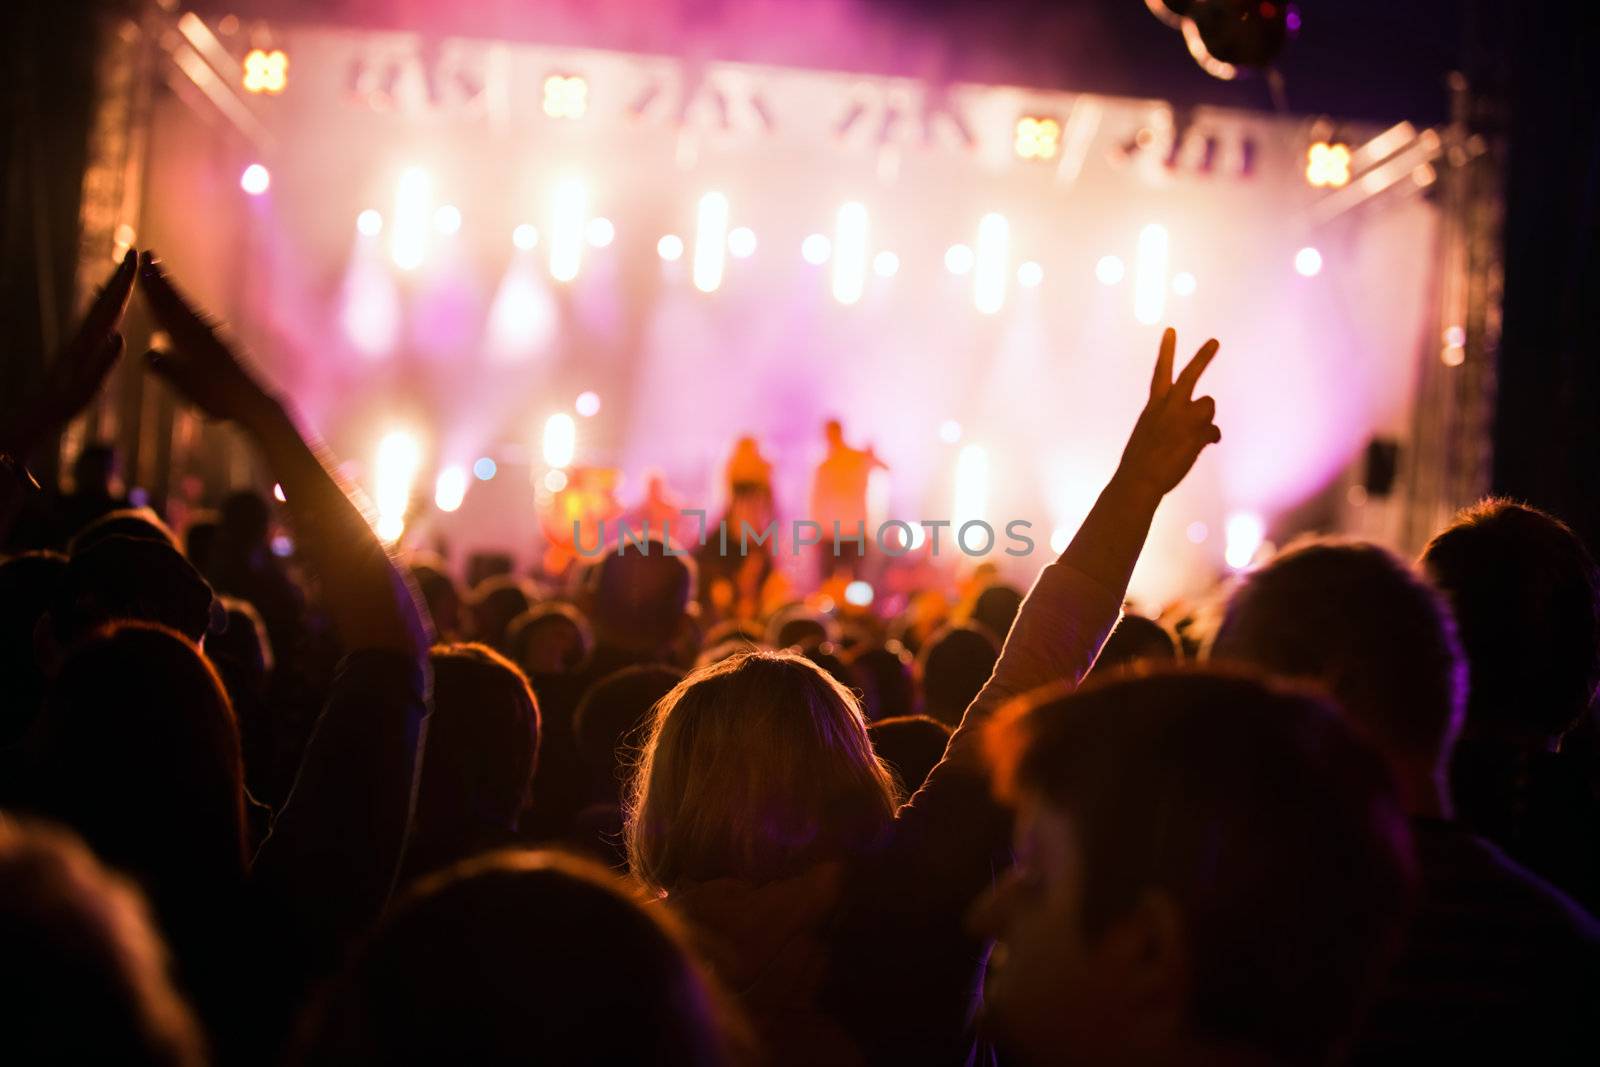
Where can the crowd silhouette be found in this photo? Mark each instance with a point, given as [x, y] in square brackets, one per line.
[373, 813]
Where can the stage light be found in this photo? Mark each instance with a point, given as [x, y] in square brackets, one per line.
[710, 241]
[265, 72]
[450, 489]
[1150, 276]
[741, 242]
[484, 468]
[255, 179]
[587, 404]
[1308, 261]
[525, 237]
[555, 480]
[369, 223]
[670, 248]
[989, 284]
[399, 456]
[816, 249]
[958, 259]
[949, 431]
[447, 219]
[412, 195]
[277, 493]
[283, 546]
[850, 252]
[885, 264]
[565, 97]
[600, 232]
[1328, 165]
[1196, 532]
[1109, 270]
[1030, 275]
[1244, 534]
[560, 439]
[1060, 538]
[1455, 336]
[1183, 283]
[569, 202]
[858, 594]
[972, 484]
[1037, 137]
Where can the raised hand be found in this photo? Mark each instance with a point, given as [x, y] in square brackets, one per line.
[76, 373]
[1174, 427]
[200, 365]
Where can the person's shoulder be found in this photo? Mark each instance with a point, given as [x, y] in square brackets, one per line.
[1461, 869]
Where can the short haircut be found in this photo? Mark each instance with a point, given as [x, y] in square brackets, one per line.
[612, 717]
[996, 608]
[1356, 619]
[912, 745]
[483, 741]
[529, 637]
[138, 523]
[131, 578]
[1136, 639]
[953, 665]
[640, 595]
[1526, 597]
[1265, 818]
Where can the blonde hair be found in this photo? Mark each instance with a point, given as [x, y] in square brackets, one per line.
[755, 768]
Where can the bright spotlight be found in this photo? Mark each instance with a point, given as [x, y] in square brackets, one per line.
[569, 202]
[565, 96]
[399, 456]
[587, 404]
[1243, 534]
[816, 249]
[710, 241]
[1037, 137]
[972, 484]
[989, 284]
[850, 252]
[600, 232]
[412, 195]
[949, 431]
[741, 242]
[369, 223]
[1328, 165]
[885, 264]
[484, 468]
[858, 594]
[1109, 270]
[447, 219]
[265, 72]
[1150, 276]
[255, 179]
[958, 259]
[525, 237]
[1029, 275]
[450, 489]
[670, 248]
[560, 439]
[1183, 283]
[1308, 261]
[555, 480]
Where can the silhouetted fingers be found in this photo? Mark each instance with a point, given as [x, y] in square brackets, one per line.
[111, 301]
[1196, 367]
[1161, 380]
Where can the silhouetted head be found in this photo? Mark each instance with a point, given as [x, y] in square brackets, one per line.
[797, 782]
[883, 674]
[139, 752]
[639, 597]
[481, 751]
[1209, 868]
[200, 540]
[1354, 618]
[952, 667]
[1526, 598]
[94, 469]
[519, 956]
[242, 645]
[493, 604]
[833, 430]
[440, 594]
[141, 524]
[1136, 639]
[78, 939]
[798, 626]
[912, 745]
[130, 578]
[996, 609]
[29, 585]
[246, 519]
[612, 718]
[552, 638]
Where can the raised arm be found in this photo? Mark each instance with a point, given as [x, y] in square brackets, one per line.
[367, 600]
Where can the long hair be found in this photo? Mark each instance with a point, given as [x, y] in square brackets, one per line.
[755, 768]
